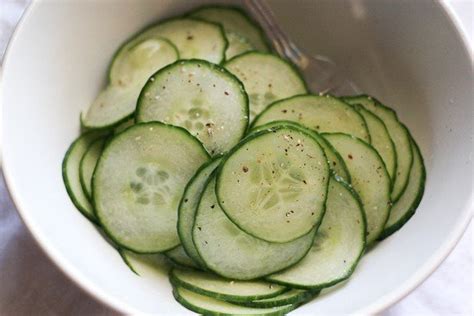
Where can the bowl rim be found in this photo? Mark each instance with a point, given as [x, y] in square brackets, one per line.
[73, 274]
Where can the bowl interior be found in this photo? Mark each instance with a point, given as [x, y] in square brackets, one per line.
[407, 54]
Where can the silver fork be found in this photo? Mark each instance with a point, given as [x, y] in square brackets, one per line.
[321, 74]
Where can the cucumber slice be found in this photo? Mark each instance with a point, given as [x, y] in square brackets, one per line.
[235, 21]
[215, 286]
[188, 206]
[204, 98]
[71, 173]
[399, 135]
[139, 181]
[406, 206]
[338, 246]
[179, 256]
[88, 163]
[131, 69]
[237, 45]
[370, 179]
[192, 37]
[336, 163]
[293, 296]
[274, 184]
[266, 78]
[153, 267]
[211, 306]
[234, 254]
[380, 139]
[322, 113]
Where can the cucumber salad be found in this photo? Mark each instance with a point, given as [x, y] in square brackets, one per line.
[206, 156]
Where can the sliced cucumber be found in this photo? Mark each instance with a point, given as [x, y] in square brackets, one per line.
[153, 267]
[215, 286]
[206, 305]
[71, 174]
[267, 78]
[235, 21]
[237, 45]
[274, 184]
[124, 125]
[179, 256]
[336, 163]
[234, 254]
[188, 206]
[88, 163]
[192, 37]
[139, 181]
[131, 69]
[204, 98]
[338, 246]
[399, 135]
[322, 113]
[369, 177]
[293, 296]
[380, 139]
[406, 206]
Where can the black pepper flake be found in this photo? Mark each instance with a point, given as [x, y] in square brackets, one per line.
[350, 156]
[333, 163]
[304, 181]
[164, 87]
[312, 213]
[213, 205]
[284, 111]
[205, 241]
[199, 227]
[185, 200]
[245, 169]
[226, 93]
[190, 37]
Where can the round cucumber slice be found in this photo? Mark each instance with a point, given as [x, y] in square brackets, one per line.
[179, 256]
[215, 286]
[274, 184]
[206, 305]
[204, 98]
[234, 254]
[188, 206]
[405, 207]
[88, 163]
[322, 113]
[266, 78]
[338, 246]
[235, 21]
[71, 173]
[370, 179]
[399, 135]
[130, 71]
[139, 181]
[335, 161]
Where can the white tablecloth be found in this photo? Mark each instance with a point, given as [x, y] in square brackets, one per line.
[30, 284]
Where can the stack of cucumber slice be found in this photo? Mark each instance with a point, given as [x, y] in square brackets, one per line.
[205, 157]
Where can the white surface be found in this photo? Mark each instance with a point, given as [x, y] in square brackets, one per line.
[37, 286]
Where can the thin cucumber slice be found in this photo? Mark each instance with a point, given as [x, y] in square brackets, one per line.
[274, 184]
[322, 113]
[338, 246]
[336, 163]
[88, 163]
[399, 135]
[192, 37]
[215, 286]
[406, 206]
[237, 45]
[370, 179]
[117, 102]
[71, 173]
[206, 305]
[234, 254]
[293, 296]
[139, 181]
[188, 206]
[380, 139]
[266, 78]
[124, 126]
[204, 98]
[236, 21]
[179, 256]
[153, 267]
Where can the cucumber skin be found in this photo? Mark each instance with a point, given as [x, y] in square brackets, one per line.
[411, 211]
[175, 281]
[296, 301]
[250, 138]
[105, 230]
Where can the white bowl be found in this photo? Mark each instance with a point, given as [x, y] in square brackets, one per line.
[407, 53]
